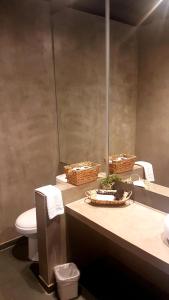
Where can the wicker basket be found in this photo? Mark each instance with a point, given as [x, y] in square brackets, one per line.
[123, 165]
[79, 176]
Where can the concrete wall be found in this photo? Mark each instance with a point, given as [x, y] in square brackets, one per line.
[28, 120]
[80, 83]
[28, 129]
[152, 138]
[123, 88]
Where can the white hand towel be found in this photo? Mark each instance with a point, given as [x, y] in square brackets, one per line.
[139, 183]
[54, 200]
[148, 169]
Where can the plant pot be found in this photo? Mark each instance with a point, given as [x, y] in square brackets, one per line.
[106, 186]
[117, 185]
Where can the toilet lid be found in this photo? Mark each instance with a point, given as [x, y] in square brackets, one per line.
[27, 220]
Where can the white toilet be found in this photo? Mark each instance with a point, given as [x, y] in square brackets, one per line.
[26, 225]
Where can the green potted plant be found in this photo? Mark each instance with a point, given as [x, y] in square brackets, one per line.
[108, 182]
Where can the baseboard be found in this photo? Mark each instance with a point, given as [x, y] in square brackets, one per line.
[12, 242]
[48, 288]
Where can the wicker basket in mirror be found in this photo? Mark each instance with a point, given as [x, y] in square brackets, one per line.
[121, 163]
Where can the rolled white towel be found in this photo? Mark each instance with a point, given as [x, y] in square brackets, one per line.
[148, 169]
[54, 200]
[105, 197]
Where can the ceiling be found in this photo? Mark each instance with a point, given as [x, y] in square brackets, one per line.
[126, 11]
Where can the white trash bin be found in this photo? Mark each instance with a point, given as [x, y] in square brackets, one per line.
[67, 276]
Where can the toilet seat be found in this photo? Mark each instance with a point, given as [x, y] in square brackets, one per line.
[26, 222]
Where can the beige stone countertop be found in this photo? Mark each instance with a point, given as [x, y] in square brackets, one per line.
[137, 227]
[159, 189]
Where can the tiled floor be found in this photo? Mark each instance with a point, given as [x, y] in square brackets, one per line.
[17, 282]
[103, 280]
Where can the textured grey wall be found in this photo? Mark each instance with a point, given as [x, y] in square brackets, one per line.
[80, 83]
[152, 139]
[123, 88]
[28, 132]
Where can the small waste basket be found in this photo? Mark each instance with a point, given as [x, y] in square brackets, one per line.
[67, 276]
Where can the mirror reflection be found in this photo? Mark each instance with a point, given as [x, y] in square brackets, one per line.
[138, 90]
[79, 53]
[138, 102]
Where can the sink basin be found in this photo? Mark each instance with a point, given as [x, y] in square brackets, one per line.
[166, 228]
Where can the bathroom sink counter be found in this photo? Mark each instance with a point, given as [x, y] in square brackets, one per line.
[136, 227]
[71, 192]
[159, 189]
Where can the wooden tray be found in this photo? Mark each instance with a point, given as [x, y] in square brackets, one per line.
[92, 197]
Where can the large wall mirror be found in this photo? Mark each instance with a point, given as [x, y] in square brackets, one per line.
[139, 86]
[79, 54]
